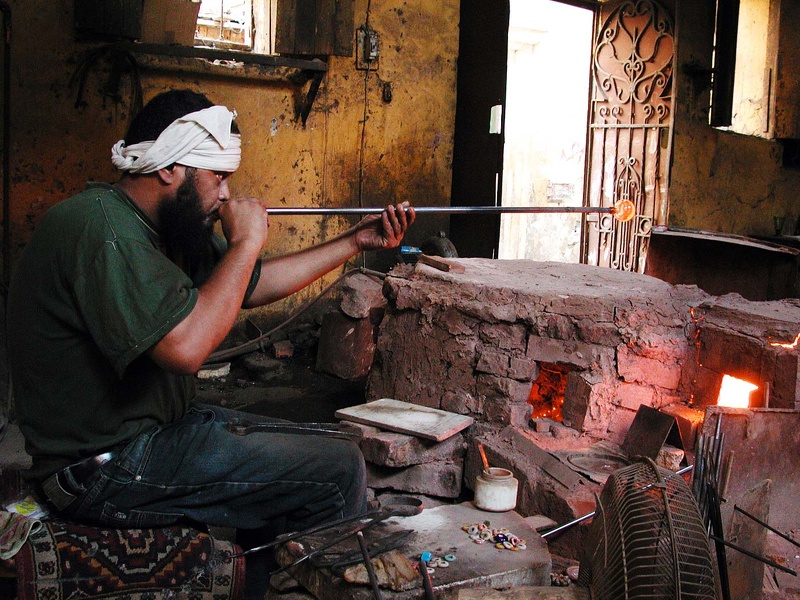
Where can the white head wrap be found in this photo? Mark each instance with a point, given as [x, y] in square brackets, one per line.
[201, 139]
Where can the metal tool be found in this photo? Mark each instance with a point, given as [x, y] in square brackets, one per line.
[337, 561]
[337, 430]
[426, 577]
[758, 557]
[373, 580]
[306, 532]
[766, 525]
[624, 210]
[398, 507]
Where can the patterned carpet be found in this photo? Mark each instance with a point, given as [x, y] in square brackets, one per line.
[65, 560]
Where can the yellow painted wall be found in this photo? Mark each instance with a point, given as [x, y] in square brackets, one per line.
[407, 143]
[721, 181]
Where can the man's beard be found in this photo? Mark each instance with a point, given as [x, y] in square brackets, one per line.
[185, 228]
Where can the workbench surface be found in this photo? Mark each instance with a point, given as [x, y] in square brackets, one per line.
[439, 531]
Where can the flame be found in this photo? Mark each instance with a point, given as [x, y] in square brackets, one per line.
[735, 393]
[788, 346]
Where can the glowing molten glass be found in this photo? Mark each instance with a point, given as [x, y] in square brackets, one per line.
[735, 393]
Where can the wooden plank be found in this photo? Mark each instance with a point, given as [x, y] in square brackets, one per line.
[525, 592]
[442, 264]
[405, 417]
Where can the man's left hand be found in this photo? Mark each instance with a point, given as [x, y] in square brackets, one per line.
[384, 231]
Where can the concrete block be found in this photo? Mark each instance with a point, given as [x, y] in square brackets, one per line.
[442, 479]
[566, 352]
[598, 332]
[492, 387]
[785, 391]
[562, 432]
[261, 367]
[635, 368]
[523, 369]
[346, 346]
[439, 530]
[493, 362]
[577, 397]
[525, 592]
[670, 457]
[462, 402]
[632, 396]
[360, 294]
[620, 423]
[389, 449]
[725, 351]
[540, 522]
[559, 327]
[500, 410]
[456, 323]
[506, 337]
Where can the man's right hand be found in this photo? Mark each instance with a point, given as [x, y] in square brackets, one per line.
[244, 220]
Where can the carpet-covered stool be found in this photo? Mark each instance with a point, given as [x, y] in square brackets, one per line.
[64, 560]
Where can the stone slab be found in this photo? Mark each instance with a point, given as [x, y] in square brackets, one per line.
[404, 417]
[390, 449]
[438, 530]
[346, 346]
[442, 478]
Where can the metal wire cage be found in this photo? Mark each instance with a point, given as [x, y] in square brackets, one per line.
[647, 539]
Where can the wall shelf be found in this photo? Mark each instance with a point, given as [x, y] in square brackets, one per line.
[302, 73]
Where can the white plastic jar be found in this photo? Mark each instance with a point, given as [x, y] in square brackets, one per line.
[496, 490]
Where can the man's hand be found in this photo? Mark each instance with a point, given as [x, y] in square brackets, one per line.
[384, 231]
[244, 220]
[284, 275]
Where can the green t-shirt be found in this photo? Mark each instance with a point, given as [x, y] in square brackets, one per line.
[90, 294]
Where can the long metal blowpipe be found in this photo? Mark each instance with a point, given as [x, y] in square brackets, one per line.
[622, 211]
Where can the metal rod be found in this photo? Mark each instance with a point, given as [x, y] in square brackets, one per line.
[758, 557]
[373, 580]
[306, 532]
[567, 525]
[766, 525]
[427, 584]
[281, 210]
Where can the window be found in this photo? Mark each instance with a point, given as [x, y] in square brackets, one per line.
[246, 25]
[225, 25]
[740, 98]
[277, 26]
[756, 80]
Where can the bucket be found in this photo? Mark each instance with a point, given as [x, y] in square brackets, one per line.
[496, 490]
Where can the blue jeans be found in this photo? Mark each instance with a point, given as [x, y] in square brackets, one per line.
[197, 469]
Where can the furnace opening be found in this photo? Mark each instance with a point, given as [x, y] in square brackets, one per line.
[547, 391]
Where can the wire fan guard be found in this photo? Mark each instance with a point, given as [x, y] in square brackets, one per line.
[647, 539]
